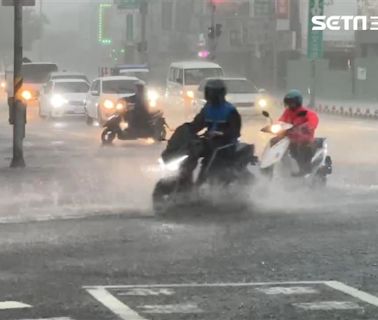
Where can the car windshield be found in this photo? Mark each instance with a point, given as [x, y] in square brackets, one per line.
[37, 73]
[118, 86]
[240, 86]
[72, 87]
[195, 76]
[73, 77]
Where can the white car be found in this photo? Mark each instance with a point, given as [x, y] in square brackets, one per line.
[240, 92]
[103, 96]
[63, 97]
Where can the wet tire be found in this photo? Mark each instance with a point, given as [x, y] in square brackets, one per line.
[163, 196]
[88, 120]
[107, 137]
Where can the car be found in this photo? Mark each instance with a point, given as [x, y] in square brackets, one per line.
[69, 75]
[62, 97]
[35, 76]
[241, 92]
[103, 96]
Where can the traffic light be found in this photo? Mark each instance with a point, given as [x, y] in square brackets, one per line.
[211, 33]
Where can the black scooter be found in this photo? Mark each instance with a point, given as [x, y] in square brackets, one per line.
[227, 165]
[120, 125]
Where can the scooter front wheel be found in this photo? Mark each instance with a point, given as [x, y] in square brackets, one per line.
[107, 136]
[163, 197]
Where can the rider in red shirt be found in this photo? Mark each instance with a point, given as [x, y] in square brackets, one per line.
[305, 122]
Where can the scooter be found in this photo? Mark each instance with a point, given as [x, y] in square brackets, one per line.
[277, 155]
[226, 166]
[118, 125]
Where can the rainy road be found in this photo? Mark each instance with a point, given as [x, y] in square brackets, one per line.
[79, 240]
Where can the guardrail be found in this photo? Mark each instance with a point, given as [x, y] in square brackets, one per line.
[348, 110]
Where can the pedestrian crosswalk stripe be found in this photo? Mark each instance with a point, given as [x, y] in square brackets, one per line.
[4, 305]
[146, 292]
[171, 308]
[288, 290]
[328, 305]
[113, 304]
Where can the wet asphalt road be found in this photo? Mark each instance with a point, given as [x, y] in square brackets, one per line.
[79, 240]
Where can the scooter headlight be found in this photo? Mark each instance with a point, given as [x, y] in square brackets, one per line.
[262, 103]
[173, 165]
[276, 128]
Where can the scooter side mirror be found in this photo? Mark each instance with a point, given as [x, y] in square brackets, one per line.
[266, 114]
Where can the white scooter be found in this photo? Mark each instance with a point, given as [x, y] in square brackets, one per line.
[277, 154]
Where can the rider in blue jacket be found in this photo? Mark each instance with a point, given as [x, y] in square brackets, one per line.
[219, 117]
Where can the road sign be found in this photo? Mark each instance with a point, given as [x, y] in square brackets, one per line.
[314, 38]
[127, 4]
[29, 3]
[263, 8]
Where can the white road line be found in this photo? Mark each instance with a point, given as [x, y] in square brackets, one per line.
[361, 295]
[328, 305]
[147, 292]
[114, 305]
[50, 319]
[288, 290]
[188, 308]
[208, 285]
[4, 305]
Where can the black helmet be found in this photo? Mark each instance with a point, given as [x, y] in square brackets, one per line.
[293, 99]
[215, 91]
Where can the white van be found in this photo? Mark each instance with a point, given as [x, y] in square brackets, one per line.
[185, 77]
[183, 81]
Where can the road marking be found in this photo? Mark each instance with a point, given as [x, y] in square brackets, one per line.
[64, 318]
[208, 285]
[361, 295]
[147, 292]
[113, 304]
[4, 305]
[188, 308]
[328, 305]
[288, 290]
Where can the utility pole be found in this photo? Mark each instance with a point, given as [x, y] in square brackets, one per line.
[40, 49]
[18, 107]
[143, 44]
[212, 39]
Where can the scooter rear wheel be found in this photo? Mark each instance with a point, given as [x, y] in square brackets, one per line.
[107, 137]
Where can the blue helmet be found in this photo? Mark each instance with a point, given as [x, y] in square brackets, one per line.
[293, 99]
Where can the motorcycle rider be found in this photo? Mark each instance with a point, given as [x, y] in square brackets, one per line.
[305, 122]
[219, 117]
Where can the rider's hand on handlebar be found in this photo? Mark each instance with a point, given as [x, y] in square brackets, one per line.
[214, 134]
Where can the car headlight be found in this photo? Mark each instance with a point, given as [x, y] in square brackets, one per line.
[173, 165]
[58, 101]
[190, 94]
[153, 95]
[276, 128]
[262, 103]
[108, 104]
[120, 106]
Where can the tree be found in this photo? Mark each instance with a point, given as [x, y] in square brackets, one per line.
[33, 30]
